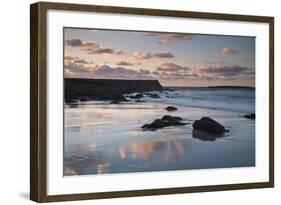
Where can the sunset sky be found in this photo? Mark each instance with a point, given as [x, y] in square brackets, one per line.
[175, 59]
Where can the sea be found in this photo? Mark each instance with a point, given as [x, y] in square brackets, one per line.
[105, 138]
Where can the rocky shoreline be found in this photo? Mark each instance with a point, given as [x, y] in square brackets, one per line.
[78, 89]
[116, 91]
[205, 129]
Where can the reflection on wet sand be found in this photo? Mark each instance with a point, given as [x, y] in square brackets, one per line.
[77, 164]
[147, 149]
[102, 139]
[103, 168]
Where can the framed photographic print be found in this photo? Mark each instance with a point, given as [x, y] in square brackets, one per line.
[134, 102]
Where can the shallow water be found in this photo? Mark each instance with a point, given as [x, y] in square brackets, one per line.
[104, 138]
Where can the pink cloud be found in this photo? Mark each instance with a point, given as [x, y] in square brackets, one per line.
[228, 51]
[150, 33]
[164, 54]
[224, 70]
[148, 55]
[168, 38]
[169, 66]
[93, 48]
[142, 55]
[125, 63]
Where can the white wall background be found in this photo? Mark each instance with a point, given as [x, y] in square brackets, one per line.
[14, 103]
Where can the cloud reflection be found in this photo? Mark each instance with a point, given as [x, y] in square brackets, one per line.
[147, 150]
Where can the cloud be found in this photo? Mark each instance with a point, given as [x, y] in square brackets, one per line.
[120, 52]
[215, 62]
[89, 45]
[70, 58]
[224, 70]
[155, 73]
[93, 48]
[149, 55]
[170, 67]
[228, 51]
[150, 33]
[168, 38]
[106, 71]
[82, 70]
[74, 42]
[75, 60]
[142, 55]
[92, 30]
[125, 63]
[177, 76]
[68, 73]
[97, 49]
[76, 67]
[82, 61]
[101, 51]
[164, 54]
[145, 72]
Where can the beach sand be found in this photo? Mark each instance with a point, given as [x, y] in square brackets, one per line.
[103, 138]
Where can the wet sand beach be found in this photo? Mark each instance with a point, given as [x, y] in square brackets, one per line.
[103, 138]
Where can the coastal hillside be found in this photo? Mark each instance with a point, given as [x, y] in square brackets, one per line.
[105, 89]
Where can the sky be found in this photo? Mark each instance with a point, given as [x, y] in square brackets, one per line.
[175, 59]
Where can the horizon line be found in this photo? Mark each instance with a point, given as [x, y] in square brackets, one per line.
[172, 86]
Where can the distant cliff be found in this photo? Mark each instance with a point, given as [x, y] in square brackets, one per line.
[105, 89]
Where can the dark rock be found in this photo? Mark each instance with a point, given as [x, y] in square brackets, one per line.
[208, 125]
[155, 124]
[205, 136]
[140, 101]
[73, 105]
[169, 89]
[251, 116]
[165, 121]
[153, 95]
[171, 108]
[115, 102]
[70, 100]
[136, 96]
[106, 89]
[171, 118]
[83, 99]
[117, 98]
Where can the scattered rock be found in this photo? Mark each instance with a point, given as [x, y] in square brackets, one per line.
[171, 108]
[169, 89]
[171, 118]
[209, 125]
[251, 116]
[165, 121]
[205, 136]
[73, 105]
[70, 101]
[115, 102]
[83, 99]
[136, 96]
[153, 95]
